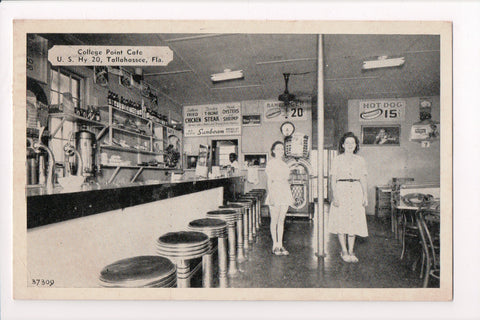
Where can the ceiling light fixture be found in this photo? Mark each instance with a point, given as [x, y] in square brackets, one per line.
[227, 74]
[383, 62]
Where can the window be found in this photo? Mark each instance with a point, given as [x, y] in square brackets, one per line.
[63, 82]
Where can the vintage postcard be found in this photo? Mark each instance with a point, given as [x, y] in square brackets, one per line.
[185, 160]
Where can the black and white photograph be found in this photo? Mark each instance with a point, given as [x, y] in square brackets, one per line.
[264, 160]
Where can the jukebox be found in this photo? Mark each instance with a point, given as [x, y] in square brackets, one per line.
[297, 151]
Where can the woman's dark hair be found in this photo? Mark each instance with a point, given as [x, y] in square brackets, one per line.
[273, 147]
[341, 149]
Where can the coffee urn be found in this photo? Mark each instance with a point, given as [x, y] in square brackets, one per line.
[86, 145]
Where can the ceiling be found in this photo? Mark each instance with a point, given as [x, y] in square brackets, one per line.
[265, 57]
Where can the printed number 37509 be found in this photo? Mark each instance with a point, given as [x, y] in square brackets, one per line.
[43, 282]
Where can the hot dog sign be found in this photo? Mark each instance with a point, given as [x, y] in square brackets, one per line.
[382, 110]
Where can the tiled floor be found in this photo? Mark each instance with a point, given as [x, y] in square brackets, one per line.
[379, 267]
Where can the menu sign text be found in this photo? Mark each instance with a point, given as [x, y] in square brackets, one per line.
[212, 120]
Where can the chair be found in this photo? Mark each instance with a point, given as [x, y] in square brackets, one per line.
[395, 202]
[428, 224]
[423, 217]
[140, 272]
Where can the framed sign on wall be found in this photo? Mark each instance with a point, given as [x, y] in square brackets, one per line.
[381, 135]
[251, 120]
[392, 110]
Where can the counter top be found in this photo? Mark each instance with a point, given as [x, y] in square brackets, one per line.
[63, 204]
[38, 190]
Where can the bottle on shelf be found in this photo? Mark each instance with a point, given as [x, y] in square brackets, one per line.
[97, 115]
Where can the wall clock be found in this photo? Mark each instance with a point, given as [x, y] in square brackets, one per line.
[287, 128]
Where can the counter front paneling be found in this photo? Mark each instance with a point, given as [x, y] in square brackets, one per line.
[62, 204]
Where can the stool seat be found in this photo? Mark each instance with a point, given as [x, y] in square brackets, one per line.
[239, 212]
[183, 244]
[139, 272]
[213, 228]
[225, 214]
[244, 201]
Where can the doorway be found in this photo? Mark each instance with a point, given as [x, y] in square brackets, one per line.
[221, 150]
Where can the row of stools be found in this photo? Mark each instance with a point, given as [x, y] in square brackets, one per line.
[235, 223]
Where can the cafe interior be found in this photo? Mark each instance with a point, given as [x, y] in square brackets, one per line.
[129, 181]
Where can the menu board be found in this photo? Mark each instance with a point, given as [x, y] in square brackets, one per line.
[212, 120]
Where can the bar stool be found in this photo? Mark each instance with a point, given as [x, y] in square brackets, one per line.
[213, 228]
[240, 213]
[263, 192]
[181, 247]
[254, 212]
[140, 272]
[249, 212]
[229, 216]
[259, 196]
[246, 210]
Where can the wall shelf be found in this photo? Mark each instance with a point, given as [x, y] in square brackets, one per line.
[120, 148]
[125, 112]
[131, 132]
[132, 167]
[73, 117]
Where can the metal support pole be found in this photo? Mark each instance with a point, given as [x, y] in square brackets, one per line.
[319, 216]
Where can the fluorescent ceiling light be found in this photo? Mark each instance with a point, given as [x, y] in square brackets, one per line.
[227, 74]
[383, 62]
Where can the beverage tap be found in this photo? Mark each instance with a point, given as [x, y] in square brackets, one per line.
[37, 147]
[70, 150]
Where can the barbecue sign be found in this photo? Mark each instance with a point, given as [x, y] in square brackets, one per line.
[382, 110]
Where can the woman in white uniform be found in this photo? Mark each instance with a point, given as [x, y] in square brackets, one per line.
[349, 187]
[279, 195]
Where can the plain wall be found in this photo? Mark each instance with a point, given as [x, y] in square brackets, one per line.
[407, 160]
[73, 253]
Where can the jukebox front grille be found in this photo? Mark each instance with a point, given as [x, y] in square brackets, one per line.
[299, 195]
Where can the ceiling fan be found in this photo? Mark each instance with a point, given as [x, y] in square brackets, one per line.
[290, 99]
[286, 97]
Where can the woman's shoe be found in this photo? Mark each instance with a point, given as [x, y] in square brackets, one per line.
[353, 258]
[345, 257]
[284, 251]
[277, 252]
